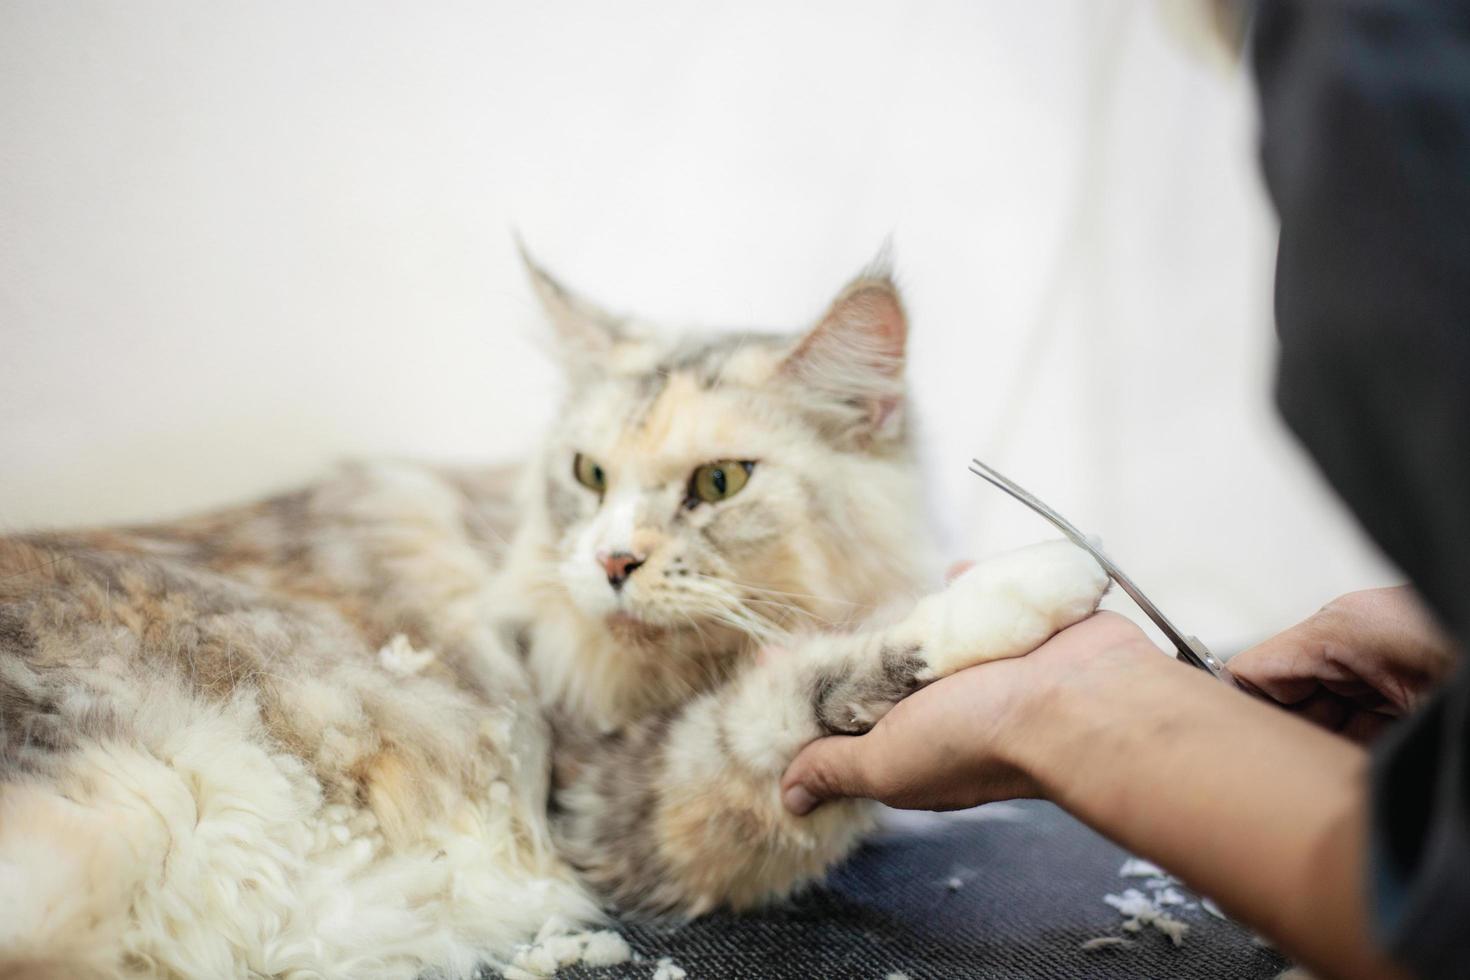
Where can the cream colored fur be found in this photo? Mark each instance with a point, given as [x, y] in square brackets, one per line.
[314, 737]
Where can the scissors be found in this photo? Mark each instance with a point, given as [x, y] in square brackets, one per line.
[1191, 650]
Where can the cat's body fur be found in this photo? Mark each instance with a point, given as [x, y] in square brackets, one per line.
[317, 736]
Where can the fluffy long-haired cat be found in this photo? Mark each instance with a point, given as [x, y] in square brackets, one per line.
[394, 722]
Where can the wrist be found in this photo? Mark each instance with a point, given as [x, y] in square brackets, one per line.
[1053, 723]
[1160, 758]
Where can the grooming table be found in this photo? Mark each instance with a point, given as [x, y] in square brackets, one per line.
[1011, 890]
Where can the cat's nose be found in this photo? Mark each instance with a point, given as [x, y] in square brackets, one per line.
[619, 565]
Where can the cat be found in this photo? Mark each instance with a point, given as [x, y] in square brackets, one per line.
[398, 720]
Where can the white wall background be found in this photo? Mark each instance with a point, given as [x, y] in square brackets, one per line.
[239, 240]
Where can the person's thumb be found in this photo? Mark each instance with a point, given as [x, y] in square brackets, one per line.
[829, 768]
[1286, 668]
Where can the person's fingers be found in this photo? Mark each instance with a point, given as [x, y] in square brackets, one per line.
[957, 569]
[1344, 715]
[1285, 668]
[1364, 727]
[1324, 708]
[828, 768]
[1372, 647]
[1350, 708]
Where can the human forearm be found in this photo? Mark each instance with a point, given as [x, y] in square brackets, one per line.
[1262, 810]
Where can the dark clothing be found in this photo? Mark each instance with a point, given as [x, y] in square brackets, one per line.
[1366, 149]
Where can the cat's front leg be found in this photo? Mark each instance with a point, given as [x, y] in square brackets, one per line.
[682, 812]
[1003, 607]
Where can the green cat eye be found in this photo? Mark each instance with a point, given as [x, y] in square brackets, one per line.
[589, 473]
[719, 481]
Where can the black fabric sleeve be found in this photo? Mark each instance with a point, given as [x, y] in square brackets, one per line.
[1421, 837]
[1366, 149]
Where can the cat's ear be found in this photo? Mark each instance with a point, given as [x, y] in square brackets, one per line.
[586, 334]
[850, 365]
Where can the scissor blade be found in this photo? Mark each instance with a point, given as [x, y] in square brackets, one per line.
[1055, 519]
[1190, 649]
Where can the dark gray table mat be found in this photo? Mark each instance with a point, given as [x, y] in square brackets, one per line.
[1032, 882]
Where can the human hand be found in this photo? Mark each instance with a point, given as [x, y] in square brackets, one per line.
[953, 744]
[1355, 665]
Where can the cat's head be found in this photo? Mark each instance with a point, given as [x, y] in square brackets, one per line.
[750, 483]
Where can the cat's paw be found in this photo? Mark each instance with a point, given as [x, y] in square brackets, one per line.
[1003, 607]
[1055, 576]
[850, 700]
[1006, 606]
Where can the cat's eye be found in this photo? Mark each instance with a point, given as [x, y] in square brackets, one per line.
[719, 481]
[589, 473]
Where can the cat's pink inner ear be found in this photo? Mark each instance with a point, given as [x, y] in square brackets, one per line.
[868, 315]
[877, 311]
[856, 351]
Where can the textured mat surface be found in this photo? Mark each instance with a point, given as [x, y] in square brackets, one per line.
[1030, 892]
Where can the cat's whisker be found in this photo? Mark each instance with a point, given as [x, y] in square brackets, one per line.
[788, 619]
[781, 613]
[744, 621]
[741, 620]
[789, 608]
[781, 592]
[739, 606]
[718, 605]
[694, 623]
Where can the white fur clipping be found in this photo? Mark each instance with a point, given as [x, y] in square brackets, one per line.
[1154, 904]
[1139, 868]
[1168, 896]
[399, 657]
[606, 948]
[669, 970]
[556, 947]
[1104, 942]
[1141, 911]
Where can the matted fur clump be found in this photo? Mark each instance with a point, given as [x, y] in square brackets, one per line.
[397, 721]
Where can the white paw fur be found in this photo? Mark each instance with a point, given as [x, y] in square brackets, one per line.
[1005, 606]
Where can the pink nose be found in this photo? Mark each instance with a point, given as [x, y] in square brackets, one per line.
[618, 565]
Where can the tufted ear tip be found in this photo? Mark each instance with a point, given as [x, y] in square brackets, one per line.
[585, 331]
